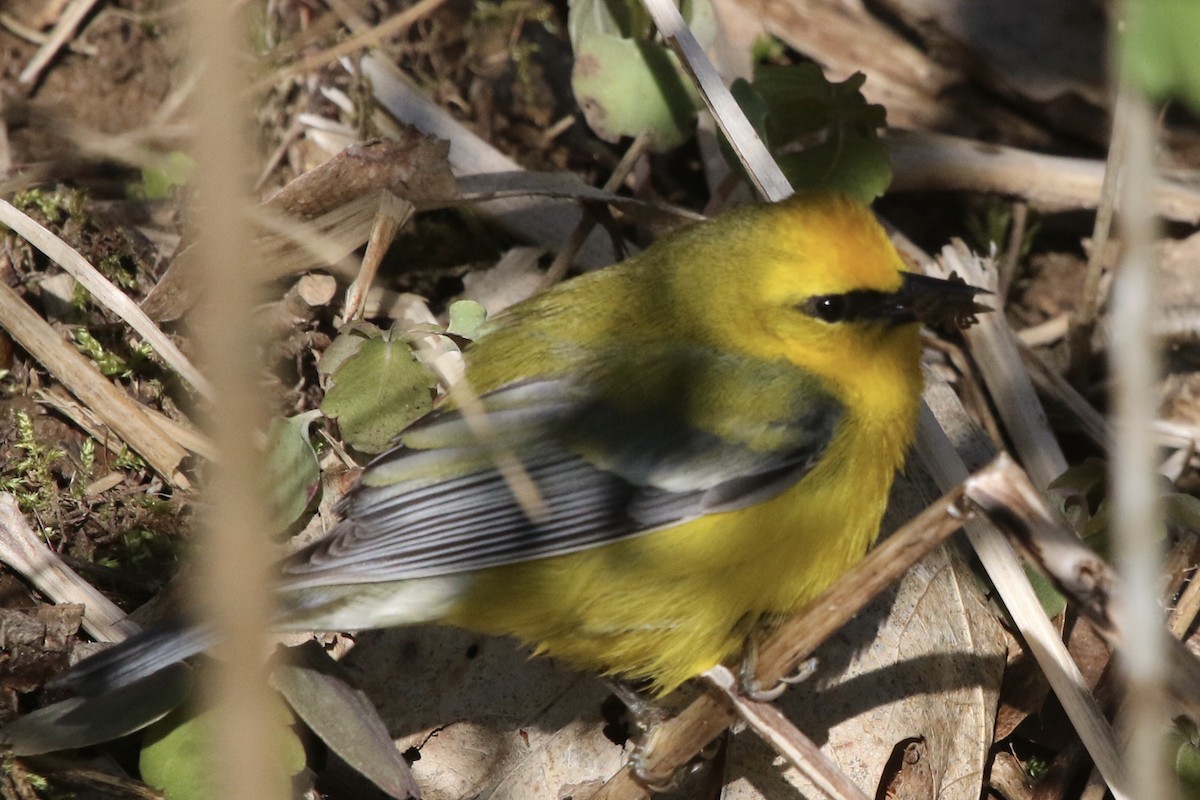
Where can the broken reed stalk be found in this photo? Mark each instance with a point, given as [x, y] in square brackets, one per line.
[773, 727]
[1009, 500]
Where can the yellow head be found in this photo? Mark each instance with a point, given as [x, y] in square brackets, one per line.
[814, 279]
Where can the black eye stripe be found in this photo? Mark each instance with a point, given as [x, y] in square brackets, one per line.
[932, 301]
[829, 308]
[857, 305]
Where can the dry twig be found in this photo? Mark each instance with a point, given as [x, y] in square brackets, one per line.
[103, 292]
[125, 416]
[26, 553]
[64, 29]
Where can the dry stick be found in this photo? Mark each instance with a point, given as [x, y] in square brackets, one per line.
[536, 219]
[64, 29]
[285, 142]
[1008, 577]
[120, 412]
[447, 365]
[1184, 613]
[6, 157]
[393, 214]
[90, 423]
[34, 35]
[675, 742]
[66, 770]
[487, 186]
[104, 293]
[1083, 321]
[1009, 500]
[1044, 334]
[562, 262]
[768, 178]
[520, 483]
[292, 246]
[925, 161]
[1091, 421]
[26, 553]
[770, 724]
[996, 351]
[1012, 253]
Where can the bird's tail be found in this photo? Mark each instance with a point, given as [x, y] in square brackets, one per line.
[133, 659]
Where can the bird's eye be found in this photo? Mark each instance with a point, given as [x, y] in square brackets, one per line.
[827, 308]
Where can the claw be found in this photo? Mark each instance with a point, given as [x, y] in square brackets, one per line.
[748, 683]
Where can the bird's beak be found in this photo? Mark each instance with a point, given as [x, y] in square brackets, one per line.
[937, 303]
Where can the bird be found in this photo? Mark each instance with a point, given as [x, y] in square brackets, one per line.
[713, 427]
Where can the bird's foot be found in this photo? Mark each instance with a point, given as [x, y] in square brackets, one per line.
[748, 681]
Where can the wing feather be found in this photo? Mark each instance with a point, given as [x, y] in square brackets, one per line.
[437, 506]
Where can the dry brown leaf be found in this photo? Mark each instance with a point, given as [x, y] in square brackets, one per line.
[35, 644]
[485, 718]
[414, 168]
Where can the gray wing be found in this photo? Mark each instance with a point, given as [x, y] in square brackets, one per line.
[437, 505]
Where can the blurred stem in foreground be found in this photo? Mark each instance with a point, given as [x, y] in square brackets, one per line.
[234, 590]
[1137, 515]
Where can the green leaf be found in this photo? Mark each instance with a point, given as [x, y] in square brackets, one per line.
[465, 318]
[1082, 478]
[376, 392]
[85, 721]
[1050, 599]
[319, 691]
[1186, 740]
[803, 101]
[849, 161]
[701, 19]
[626, 87]
[295, 472]
[176, 754]
[753, 104]
[1095, 530]
[1159, 50]
[824, 135]
[624, 18]
[1182, 509]
[626, 83]
[163, 175]
[348, 342]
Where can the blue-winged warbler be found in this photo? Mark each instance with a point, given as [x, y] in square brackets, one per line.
[713, 426]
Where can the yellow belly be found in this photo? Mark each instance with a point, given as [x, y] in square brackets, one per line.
[669, 604]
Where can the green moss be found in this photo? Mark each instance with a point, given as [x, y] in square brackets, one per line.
[135, 363]
[1036, 768]
[129, 461]
[54, 206]
[29, 477]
